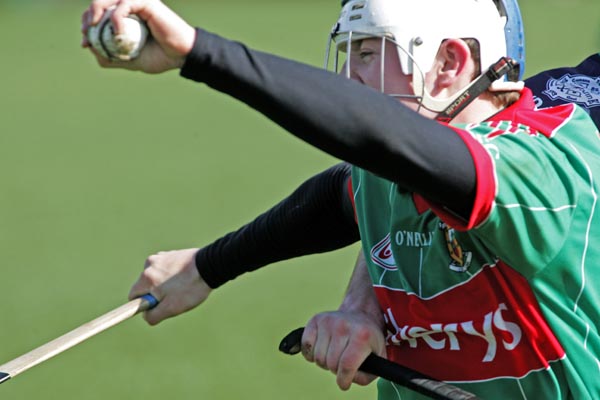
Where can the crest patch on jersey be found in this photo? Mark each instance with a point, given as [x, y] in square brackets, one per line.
[580, 89]
[461, 260]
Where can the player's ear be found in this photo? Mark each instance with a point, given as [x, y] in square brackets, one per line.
[453, 64]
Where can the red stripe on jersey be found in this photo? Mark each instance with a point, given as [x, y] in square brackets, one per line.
[420, 203]
[350, 193]
[544, 121]
[490, 326]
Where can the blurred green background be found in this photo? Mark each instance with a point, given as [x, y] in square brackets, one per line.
[101, 168]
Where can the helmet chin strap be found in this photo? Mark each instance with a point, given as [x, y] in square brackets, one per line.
[449, 107]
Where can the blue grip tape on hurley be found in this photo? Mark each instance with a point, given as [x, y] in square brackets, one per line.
[153, 301]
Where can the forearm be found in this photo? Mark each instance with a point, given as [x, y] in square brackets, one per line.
[351, 122]
[360, 296]
[317, 217]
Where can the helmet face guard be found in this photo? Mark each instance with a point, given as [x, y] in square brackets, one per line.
[418, 27]
[352, 37]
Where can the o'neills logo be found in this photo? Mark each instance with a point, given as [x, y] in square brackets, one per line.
[487, 327]
[381, 254]
[580, 89]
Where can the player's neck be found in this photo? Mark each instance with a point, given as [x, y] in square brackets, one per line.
[479, 110]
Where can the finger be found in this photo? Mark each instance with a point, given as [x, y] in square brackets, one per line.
[309, 337]
[85, 17]
[105, 62]
[150, 260]
[124, 9]
[335, 351]
[349, 362]
[169, 307]
[321, 348]
[146, 283]
[155, 260]
[86, 23]
[363, 379]
[358, 349]
[159, 313]
[141, 287]
[119, 13]
[97, 10]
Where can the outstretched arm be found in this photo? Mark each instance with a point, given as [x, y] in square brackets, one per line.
[317, 217]
[344, 118]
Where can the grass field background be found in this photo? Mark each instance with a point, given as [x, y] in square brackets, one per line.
[101, 168]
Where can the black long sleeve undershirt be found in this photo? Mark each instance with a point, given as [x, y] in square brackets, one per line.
[317, 217]
[342, 117]
[339, 116]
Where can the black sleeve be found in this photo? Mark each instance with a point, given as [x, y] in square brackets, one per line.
[317, 217]
[342, 117]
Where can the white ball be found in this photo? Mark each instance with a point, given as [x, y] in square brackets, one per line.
[125, 46]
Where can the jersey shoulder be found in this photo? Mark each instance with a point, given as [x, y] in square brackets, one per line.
[579, 85]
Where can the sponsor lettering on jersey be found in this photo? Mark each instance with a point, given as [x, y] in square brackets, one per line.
[489, 326]
[446, 333]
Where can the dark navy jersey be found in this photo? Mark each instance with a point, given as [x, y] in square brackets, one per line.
[579, 85]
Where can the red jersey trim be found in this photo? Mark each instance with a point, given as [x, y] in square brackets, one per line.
[420, 203]
[545, 122]
[350, 193]
[485, 192]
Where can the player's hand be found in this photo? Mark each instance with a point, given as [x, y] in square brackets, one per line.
[340, 341]
[171, 37]
[171, 277]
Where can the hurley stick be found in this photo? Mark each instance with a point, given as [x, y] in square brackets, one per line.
[76, 336]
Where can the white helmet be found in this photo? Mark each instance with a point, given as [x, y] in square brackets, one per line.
[418, 27]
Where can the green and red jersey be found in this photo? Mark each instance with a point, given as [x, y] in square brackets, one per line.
[504, 304]
[498, 295]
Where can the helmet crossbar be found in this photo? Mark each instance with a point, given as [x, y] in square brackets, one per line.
[348, 45]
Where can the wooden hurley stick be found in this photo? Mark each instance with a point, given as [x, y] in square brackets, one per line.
[76, 336]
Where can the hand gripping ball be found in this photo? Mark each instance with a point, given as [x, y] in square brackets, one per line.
[125, 46]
